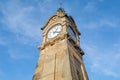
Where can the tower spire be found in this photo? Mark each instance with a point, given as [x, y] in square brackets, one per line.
[61, 12]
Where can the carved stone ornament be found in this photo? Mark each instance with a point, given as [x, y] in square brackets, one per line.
[60, 13]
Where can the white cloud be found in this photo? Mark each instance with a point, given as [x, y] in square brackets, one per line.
[21, 21]
[110, 73]
[101, 22]
[99, 18]
[100, 0]
[109, 22]
[90, 7]
[1, 72]
[2, 42]
[17, 54]
[104, 62]
[44, 1]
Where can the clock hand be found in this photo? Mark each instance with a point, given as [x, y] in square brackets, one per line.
[57, 31]
[56, 28]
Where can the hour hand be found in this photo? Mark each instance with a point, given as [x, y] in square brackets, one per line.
[57, 31]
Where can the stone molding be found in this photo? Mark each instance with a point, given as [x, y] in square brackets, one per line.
[52, 41]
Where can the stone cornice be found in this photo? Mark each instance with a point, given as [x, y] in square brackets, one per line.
[75, 46]
[52, 41]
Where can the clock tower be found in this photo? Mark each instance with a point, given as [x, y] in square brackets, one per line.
[60, 52]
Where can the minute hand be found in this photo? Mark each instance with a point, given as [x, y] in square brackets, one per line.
[57, 32]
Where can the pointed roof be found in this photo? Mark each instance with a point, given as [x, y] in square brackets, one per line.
[60, 13]
[61, 10]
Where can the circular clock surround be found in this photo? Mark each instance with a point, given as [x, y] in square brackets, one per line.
[54, 31]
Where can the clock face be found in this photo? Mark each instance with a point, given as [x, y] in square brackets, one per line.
[54, 31]
[71, 33]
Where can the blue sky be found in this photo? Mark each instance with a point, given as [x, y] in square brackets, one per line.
[20, 35]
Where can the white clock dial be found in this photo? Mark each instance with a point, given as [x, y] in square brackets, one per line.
[54, 31]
